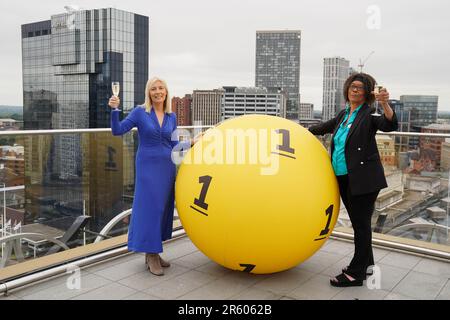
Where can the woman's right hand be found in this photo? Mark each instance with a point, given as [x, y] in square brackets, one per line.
[114, 102]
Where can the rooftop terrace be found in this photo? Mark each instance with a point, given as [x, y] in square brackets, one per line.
[194, 276]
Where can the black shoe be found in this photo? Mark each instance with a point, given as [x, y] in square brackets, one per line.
[343, 281]
[368, 273]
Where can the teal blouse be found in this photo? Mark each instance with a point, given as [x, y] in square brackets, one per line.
[338, 157]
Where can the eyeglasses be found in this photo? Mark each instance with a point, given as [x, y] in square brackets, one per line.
[357, 88]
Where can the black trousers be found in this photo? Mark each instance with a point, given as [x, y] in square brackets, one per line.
[360, 209]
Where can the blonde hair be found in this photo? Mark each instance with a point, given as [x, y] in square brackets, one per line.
[148, 100]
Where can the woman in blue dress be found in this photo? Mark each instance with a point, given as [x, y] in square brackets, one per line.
[153, 204]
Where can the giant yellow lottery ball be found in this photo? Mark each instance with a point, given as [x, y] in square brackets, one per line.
[258, 194]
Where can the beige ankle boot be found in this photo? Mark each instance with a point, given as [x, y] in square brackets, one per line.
[154, 264]
[164, 263]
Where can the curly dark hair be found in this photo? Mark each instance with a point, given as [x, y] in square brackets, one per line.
[368, 82]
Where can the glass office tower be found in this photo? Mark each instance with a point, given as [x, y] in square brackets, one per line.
[423, 112]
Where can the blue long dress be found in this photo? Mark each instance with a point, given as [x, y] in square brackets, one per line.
[153, 204]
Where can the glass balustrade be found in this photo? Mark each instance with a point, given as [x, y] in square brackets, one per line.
[62, 190]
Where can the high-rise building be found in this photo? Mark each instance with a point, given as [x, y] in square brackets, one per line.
[306, 115]
[404, 123]
[206, 107]
[238, 101]
[423, 112]
[278, 65]
[69, 62]
[423, 109]
[306, 111]
[335, 72]
[182, 108]
[351, 71]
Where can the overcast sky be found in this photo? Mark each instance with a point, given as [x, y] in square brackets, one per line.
[206, 44]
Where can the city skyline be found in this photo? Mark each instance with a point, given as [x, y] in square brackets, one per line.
[408, 59]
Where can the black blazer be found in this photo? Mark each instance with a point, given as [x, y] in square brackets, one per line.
[365, 171]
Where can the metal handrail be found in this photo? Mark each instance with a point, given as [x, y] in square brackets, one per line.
[70, 131]
[108, 130]
[7, 286]
[401, 247]
[414, 134]
[11, 243]
[111, 224]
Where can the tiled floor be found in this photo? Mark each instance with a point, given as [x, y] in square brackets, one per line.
[193, 276]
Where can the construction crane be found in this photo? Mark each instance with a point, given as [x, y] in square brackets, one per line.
[362, 62]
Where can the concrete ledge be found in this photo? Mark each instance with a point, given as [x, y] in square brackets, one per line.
[64, 257]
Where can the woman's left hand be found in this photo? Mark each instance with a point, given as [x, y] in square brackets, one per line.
[382, 97]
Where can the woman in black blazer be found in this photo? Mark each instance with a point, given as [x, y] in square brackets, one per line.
[357, 166]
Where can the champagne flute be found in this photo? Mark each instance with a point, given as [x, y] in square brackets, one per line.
[115, 88]
[377, 90]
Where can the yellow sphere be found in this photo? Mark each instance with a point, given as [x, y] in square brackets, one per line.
[257, 194]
